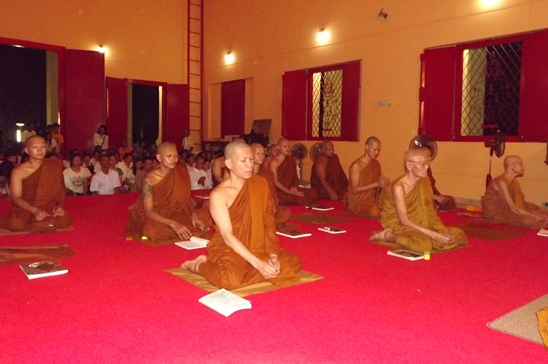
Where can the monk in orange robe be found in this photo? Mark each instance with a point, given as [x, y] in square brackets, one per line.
[164, 210]
[504, 202]
[328, 178]
[408, 215]
[245, 248]
[282, 214]
[37, 191]
[367, 184]
[286, 180]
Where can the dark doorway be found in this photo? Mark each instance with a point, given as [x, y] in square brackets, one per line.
[23, 83]
[145, 113]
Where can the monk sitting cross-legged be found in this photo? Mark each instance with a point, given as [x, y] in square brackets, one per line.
[245, 248]
[282, 214]
[164, 210]
[367, 184]
[504, 202]
[37, 191]
[328, 177]
[286, 180]
[408, 215]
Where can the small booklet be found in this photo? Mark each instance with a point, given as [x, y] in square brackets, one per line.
[203, 197]
[225, 302]
[543, 232]
[293, 234]
[405, 254]
[194, 243]
[320, 208]
[43, 269]
[332, 230]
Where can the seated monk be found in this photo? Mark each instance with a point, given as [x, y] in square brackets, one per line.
[408, 215]
[272, 152]
[328, 177]
[218, 170]
[282, 214]
[245, 248]
[367, 184]
[37, 191]
[164, 211]
[286, 180]
[504, 203]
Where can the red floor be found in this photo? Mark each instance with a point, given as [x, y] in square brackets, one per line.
[118, 305]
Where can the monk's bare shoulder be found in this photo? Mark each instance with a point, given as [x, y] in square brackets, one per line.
[153, 177]
[22, 171]
[358, 165]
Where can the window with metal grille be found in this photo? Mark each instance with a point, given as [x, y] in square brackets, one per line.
[470, 90]
[322, 103]
[490, 89]
[326, 104]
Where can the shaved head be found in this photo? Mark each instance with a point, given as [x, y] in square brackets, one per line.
[232, 147]
[511, 159]
[31, 139]
[372, 140]
[417, 153]
[281, 140]
[165, 146]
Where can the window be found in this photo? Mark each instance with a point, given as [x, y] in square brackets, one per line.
[471, 90]
[322, 103]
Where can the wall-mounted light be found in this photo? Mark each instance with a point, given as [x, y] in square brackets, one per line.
[18, 132]
[101, 49]
[323, 36]
[382, 14]
[229, 57]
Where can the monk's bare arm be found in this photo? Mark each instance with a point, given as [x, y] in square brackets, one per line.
[502, 189]
[16, 190]
[217, 170]
[220, 214]
[320, 167]
[398, 192]
[355, 170]
[148, 205]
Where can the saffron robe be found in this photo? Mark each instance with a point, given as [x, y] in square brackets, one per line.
[171, 198]
[335, 177]
[287, 176]
[368, 203]
[252, 217]
[45, 189]
[420, 210]
[497, 210]
[282, 214]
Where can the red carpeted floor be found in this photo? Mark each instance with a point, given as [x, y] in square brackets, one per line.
[117, 305]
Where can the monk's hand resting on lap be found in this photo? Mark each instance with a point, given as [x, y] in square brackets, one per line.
[384, 182]
[275, 262]
[266, 269]
[197, 222]
[444, 239]
[181, 230]
[333, 196]
[294, 191]
[39, 214]
[58, 211]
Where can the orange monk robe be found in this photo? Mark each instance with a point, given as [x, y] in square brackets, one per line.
[367, 203]
[282, 213]
[171, 198]
[287, 176]
[335, 177]
[45, 189]
[420, 210]
[252, 217]
[497, 210]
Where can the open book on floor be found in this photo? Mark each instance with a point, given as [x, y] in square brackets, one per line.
[332, 230]
[405, 254]
[320, 208]
[293, 234]
[225, 302]
[43, 269]
[543, 232]
[194, 243]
